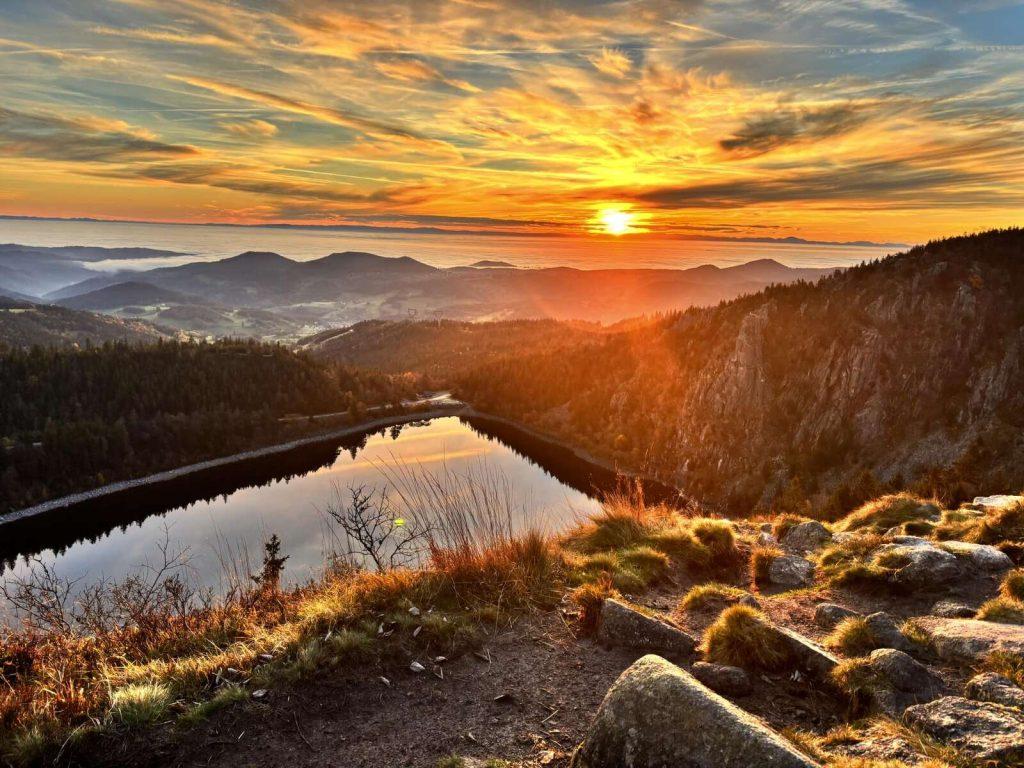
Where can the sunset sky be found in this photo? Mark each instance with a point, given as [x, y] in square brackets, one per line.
[887, 120]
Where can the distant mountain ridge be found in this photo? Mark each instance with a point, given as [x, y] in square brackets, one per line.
[351, 286]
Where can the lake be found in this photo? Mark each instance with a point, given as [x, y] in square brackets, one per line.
[220, 513]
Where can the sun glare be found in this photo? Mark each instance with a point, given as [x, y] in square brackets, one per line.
[615, 221]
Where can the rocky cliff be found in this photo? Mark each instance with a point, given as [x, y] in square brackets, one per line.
[905, 370]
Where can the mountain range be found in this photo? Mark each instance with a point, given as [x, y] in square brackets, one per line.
[269, 296]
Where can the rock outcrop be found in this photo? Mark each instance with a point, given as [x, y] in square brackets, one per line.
[827, 615]
[983, 731]
[656, 716]
[721, 678]
[791, 571]
[988, 686]
[626, 627]
[968, 640]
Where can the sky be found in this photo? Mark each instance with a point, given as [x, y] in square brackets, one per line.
[837, 120]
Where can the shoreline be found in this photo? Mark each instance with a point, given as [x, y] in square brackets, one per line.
[460, 410]
[255, 453]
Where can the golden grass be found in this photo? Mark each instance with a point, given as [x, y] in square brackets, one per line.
[744, 637]
[993, 527]
[589, 598]
[712, 594]
[1012, 587]
[1002, 610]
[140, 704]
[886, 512]
[1007, 664]
[852, 637]
[761, 559]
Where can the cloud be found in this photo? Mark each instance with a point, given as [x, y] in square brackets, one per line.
[365, 125]
[867, 184]
[612, 62]
[254, 128]
[768, 131]
[413, 70]
[80, 139]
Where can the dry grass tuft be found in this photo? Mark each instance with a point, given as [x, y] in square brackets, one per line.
[589, 598]
[711, 595]
[761, 559]
[140, 704]
[852, 637]
[998, 525]
[744, 637]
[1002, 610]
[886, 512]
[1007, 664]
[1012, 587]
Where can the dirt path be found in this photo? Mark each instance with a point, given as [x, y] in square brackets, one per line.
[549, 686]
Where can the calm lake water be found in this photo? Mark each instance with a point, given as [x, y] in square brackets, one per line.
[217, 242]
[235, 508]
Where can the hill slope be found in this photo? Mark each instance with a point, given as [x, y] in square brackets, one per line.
[25, 324]
[903, 370]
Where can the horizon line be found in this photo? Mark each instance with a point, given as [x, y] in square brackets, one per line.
[393, 230]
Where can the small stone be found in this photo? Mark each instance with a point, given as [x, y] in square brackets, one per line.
[989, 686]
[385, 681]
[806, 536]
[721, 678]
[996, 502]
[952, 609]
[624, 626]
[414, 611]
[259, 693]
[827, 615]
[765, 539]
[750, 601]
[980, 730]
[417, 667]
[791, 571]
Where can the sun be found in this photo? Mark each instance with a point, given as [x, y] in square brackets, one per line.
[616, 221]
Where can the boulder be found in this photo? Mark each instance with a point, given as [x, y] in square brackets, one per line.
[623, 626]
[988, 686]
[981, 557]
[721, 678]
[996, 502]
[656, 715]
[806, 536]
[902, 682]
[921, 566]
[887, 633]
[811, 657]
[952, 609]
[766, 539]
[968, 640]
[791, 571]
[980, 730]
[827, 615]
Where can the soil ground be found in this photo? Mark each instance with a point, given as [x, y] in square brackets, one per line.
[528, 694]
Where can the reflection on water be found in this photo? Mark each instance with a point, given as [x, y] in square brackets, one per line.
[243, 504]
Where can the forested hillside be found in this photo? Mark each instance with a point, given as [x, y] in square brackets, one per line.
[74, 419]
[24, 324]
[439, 349]
[906, 370]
